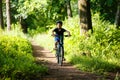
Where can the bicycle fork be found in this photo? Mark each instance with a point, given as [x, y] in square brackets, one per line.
[60, 54]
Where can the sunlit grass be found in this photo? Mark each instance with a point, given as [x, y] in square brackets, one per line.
[45, 40]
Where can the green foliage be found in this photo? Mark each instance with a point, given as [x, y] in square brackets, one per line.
[74, 7]
[56, 9]
[39, 13]
[97, 53]
[44, 40]
[38, 30]
[34, 12]
[16, 60]
[106, 8]
[117, 77]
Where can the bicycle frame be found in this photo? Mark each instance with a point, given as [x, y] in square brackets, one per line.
[60, 53]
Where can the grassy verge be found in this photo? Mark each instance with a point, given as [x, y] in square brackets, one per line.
[45, 40]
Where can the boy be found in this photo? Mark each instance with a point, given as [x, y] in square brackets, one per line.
[58, 32]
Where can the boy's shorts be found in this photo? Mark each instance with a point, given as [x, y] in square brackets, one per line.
[57, 39]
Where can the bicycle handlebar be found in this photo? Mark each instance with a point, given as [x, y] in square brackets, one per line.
[64, 35]
[67, 35]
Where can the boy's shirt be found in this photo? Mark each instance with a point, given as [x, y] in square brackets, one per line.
[59, 32]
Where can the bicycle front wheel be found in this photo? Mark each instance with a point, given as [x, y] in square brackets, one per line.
[61, 56]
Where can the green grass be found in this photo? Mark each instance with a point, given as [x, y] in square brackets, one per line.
[44, 40]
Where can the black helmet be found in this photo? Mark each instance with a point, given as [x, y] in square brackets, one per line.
[59, 22]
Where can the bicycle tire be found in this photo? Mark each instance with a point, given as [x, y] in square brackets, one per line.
[61, 56]
[57, 55]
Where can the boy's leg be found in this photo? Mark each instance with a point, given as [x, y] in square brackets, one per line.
[63, 48]
[63, 54]
[56, 44]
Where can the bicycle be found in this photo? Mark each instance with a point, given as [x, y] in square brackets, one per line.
[60, 51]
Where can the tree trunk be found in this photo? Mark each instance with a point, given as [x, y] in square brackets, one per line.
[117, 18]
[8, 15]
[24, 25]
[85, 16]
[69, 10]
[1, 15]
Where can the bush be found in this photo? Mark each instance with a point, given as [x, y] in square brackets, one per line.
[36, 31]
[16, 60]
[97, 53]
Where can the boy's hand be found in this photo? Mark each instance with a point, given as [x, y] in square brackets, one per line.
[53, 35]
[68, 33]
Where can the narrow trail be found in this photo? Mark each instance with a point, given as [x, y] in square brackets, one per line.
[56, 72]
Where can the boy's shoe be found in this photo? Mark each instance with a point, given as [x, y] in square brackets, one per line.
[64, 59]
[55, 55]
[54, 48]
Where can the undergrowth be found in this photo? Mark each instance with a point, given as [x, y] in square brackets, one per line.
[16, 59]
[97, 53]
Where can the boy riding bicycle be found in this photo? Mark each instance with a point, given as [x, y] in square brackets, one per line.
[58, 33]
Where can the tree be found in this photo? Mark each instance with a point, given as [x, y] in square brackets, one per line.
[69, 11]
[57, 9]
[1, 15]
[106, 9]
[117, 18]
[8, 14]
[85, 16]
[32, 14]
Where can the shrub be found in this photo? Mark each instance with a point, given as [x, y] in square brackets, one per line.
[97, 53]
[16, 58]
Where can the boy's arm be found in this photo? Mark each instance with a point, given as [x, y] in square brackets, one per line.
[68, 33]
[53, 33]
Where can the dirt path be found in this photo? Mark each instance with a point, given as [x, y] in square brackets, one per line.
[65, 72]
